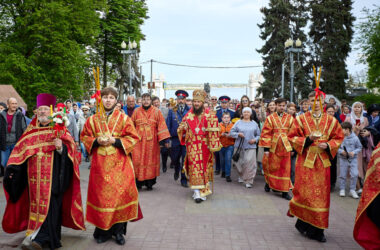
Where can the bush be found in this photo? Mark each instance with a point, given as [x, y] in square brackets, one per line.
[368, 99]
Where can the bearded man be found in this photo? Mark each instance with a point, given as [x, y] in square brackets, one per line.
[42, 184]
[151, 127]
[199, 131]
[112, 198]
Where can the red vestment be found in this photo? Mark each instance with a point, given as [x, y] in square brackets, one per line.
[276, 164]
[112, 194]
[36, 147]
[151, 127]
[311, 193]
[201, 137]
[366, 233]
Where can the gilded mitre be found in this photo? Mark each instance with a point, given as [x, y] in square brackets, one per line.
[199, 95]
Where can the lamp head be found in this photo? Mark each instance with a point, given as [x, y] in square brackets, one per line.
[123, 45]
[298, 43]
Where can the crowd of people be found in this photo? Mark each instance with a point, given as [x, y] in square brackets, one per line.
[299, 148]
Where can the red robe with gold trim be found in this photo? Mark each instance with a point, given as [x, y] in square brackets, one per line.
[112, 193]
[366, 233]
[311, 193]
[276, 165]
[151, 127]
[201, 137]
[36, 147]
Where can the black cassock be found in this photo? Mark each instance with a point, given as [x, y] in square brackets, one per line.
[50, 231]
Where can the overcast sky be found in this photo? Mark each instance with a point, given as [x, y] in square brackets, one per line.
[210, 32]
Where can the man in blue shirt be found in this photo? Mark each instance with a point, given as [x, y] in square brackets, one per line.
[177, 151]
[224, 100]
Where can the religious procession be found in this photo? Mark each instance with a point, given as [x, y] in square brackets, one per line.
[189, 125]
[299, 149]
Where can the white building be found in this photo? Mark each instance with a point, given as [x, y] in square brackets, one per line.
[159, 86]
[254, 83]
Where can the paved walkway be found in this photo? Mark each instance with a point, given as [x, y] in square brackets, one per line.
[232, 218]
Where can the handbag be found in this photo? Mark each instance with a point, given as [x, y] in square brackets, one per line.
[236, 155]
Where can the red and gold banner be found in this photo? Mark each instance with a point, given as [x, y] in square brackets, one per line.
[366, 233]
[152, 129]
[201, 137]
[311, 193]
[112, 194]
[277, 165]
[36, 146]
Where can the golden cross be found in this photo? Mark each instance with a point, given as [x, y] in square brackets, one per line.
[33, 204]
[33, 180]
[44, 180]
[42, 205]
[40, 154]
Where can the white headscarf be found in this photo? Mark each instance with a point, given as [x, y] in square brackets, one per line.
[353, 117]
[247, 109]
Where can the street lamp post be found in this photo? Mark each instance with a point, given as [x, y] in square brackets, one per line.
[290, 50]
[130, 51]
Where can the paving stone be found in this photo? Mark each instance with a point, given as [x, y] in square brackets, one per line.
[234, 217]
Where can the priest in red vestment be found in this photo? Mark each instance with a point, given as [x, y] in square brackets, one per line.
[316, 136]
[367, 222]
[112, 198]
[200, 132]
[42, 184]
[151, 127]
[277, 149]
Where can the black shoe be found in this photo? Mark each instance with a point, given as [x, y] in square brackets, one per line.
[301, 230]
[176, 176]
[138, 187]
[184, 185]
[228, 179]
[217, 172]
[119, 238]
[320, 237]
[101, 240]
[332, 188]
[171, 166]
[87, 159]
[266, 187]
[286, 196]
[149, 188]
[164, 169]
[223, 175]
[198, 200]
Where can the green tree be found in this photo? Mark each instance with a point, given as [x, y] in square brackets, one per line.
[331, 33]
[369, 42]
[282, 20]
[43, 45]
[120, 21]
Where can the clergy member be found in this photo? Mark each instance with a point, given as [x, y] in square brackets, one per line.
[277, 148]
[316, 136]
[151, 127]
[112, 198]
[42, 184]
[367, 222]
[199, 131]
